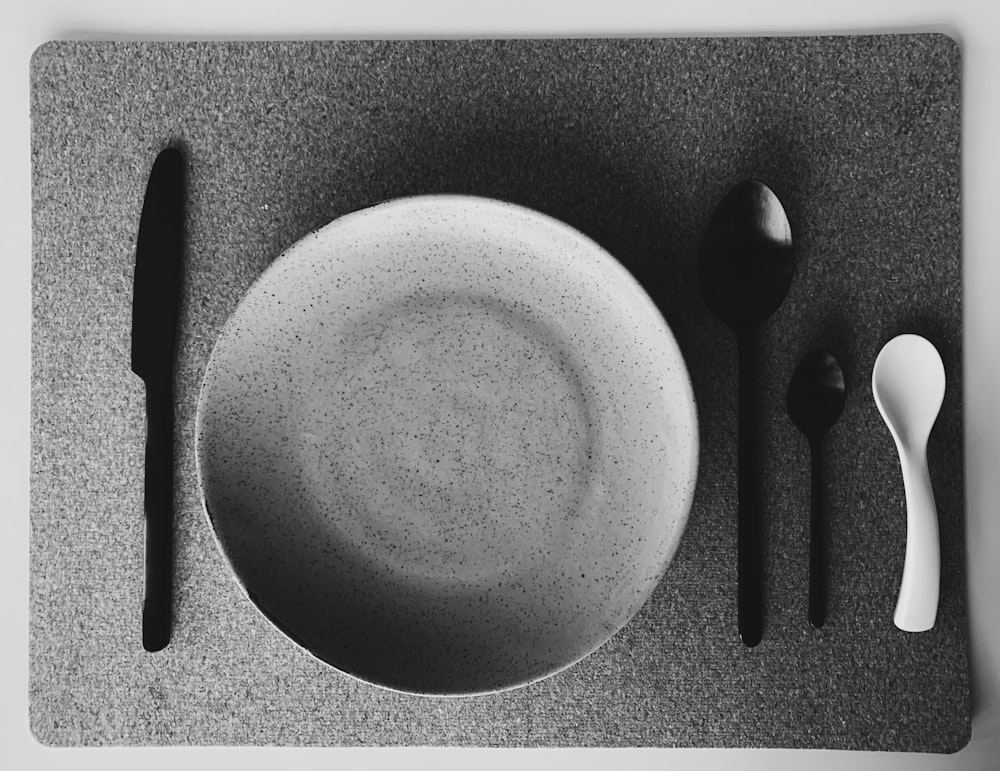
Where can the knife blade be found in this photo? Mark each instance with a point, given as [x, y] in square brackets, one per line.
[155, 306]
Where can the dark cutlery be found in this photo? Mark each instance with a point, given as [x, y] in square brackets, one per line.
[745, 269]
[815, 400]
[155, 304]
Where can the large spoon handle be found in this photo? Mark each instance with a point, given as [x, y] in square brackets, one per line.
[749, 564]
[817, 540]
[916, 607]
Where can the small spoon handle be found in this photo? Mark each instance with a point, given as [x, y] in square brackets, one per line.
[817, 540]
[750, 574]
[916, 607]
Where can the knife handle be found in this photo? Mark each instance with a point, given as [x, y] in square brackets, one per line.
[750, 569]
[158, 503]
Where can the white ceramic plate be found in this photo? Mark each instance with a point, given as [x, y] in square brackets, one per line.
[447, 444]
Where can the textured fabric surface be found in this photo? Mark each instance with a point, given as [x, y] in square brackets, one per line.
[630, 141]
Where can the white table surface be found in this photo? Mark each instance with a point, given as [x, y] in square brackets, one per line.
[974, 23]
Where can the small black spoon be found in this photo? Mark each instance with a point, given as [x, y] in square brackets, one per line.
[816, 398]
[745, 269]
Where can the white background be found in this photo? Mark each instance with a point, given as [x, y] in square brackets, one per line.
[974, 23]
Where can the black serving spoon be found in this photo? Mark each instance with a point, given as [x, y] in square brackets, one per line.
[745, 269]
[816, 398]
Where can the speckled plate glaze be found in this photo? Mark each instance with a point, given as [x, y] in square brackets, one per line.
[447, 444]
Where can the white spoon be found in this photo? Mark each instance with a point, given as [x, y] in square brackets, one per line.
[908, 384]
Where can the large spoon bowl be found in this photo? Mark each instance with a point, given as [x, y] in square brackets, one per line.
[747, 259]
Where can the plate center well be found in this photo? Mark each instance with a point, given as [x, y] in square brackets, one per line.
[456, 444]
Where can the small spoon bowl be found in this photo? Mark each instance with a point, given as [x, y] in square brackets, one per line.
[816, 394]
[908, 383]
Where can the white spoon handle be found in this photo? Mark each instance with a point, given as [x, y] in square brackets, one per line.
[916, 607]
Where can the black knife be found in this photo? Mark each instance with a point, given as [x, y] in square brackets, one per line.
[155, 305]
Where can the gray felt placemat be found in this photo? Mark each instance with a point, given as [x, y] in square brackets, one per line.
[631, 141]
